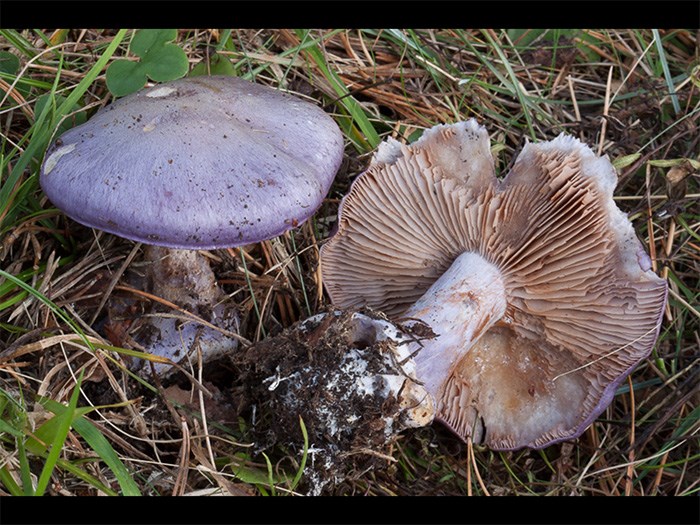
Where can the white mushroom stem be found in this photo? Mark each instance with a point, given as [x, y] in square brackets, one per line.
[459, 307]
[183, 277]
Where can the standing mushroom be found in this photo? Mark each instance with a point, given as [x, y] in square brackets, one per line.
[195, 164]
[541, 295]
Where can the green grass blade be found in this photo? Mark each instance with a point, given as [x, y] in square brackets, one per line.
[513, 475]
[302, 464]
[83, 476]
[345, 98]
[301, 276]
[223, 39]
[38, 137]
[75, 95]
[18, 41]
[64, 424]
[527, 107]
[104, 450]
[689, 294]
[100, 445]
[667, 72]
[24, 469]
[252, 294]
[9, 483]
[689, 422]
[9, 286]
[14, 422]
[50, 304]
[687, 228]
[270, 475]
[8, 429]
[669, 128]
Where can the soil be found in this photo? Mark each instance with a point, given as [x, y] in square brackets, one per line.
[335, 373]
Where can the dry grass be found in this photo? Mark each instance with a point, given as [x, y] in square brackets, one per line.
[606, 87]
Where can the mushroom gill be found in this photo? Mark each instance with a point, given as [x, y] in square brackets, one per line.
[582, 306]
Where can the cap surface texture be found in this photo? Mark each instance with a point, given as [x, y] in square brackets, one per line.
[202, 162]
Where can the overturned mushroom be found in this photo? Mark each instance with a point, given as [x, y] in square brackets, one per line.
[541, 295]
[195, 164]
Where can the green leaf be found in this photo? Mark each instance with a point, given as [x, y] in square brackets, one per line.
[217, 65]
[160, 60]
[124, 77]
[9, 66]
[147, 39]
[165, 63]
[667, 163]
[9, 63]
[252, 475]
[626, 160]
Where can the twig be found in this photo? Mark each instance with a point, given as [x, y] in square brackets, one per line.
[630, 467]
[183, 462]
[606, 110]
[113, 282]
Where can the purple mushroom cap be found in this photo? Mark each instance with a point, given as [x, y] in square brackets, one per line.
[198, 163]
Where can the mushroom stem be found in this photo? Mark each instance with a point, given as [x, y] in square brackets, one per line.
[459, 307]
[184, 277]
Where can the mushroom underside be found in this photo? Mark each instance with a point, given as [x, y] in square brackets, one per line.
[582, 304]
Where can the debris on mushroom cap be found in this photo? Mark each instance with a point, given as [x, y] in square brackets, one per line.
[203, 162]
[582, 305]
[348, 375]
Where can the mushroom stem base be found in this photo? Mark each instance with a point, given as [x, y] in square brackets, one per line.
[184, 278]
[459, 307]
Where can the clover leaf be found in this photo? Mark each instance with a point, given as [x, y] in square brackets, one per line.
[9, 63]
[160, 60]
[215, 65]
[9, 66]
